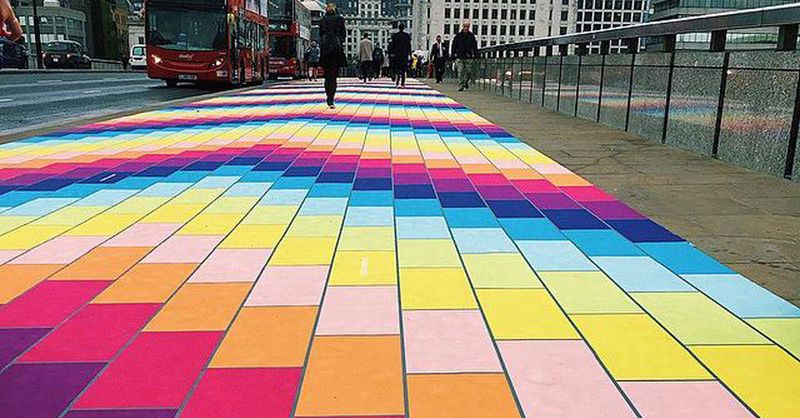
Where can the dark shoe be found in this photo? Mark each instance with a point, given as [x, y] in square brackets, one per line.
[461, 89]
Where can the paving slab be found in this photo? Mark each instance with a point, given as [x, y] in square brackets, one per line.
[259, 254]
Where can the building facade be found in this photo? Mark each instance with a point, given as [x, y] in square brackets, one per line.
[606, 14]
[494, 22]
[376, 18]
[745, 39]
[370, 19]
[55, 23]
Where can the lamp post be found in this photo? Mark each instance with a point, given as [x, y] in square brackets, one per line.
[37, 36]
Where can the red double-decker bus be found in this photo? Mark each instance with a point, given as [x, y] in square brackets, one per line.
[207, 41]
[289, 36]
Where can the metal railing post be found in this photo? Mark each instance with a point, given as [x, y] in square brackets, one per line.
[633, 53]
[604, 48]
[723, 83]
[668, 45]
[791, 150]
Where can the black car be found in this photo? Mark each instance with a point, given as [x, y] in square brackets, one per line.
[13, 54]
[66, 54]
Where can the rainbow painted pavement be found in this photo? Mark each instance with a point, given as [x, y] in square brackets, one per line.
[257, 254]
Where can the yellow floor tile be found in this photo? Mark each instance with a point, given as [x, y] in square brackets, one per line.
[634, 347]
[106, 224]
[174, 213]
[8, 223]
[268, 215]
[427, 253]
[784, 331]
[367, 238]
[764, 376]
[254, 236]
[587, 292]
[435, 288]
[523, 314]
[364, 268]
[71, 215]
[315, 226]
[200, 307]
[29, 236]
[267, 337]
[500, 271]
[693, 318]
[211, 224]
[294, 251]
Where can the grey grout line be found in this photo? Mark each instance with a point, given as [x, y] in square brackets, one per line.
[310, 346]
[205, 368]
[75, 312]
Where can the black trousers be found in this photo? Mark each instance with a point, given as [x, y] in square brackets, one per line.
[331, 73]
[366, 70]
[438, 68]
[400, 73]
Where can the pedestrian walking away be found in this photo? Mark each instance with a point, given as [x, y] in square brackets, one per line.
[312, 60]
[377, 61]
[465, 49]
[439, 57]
[401, 54]
[365, 51]
[332, 35]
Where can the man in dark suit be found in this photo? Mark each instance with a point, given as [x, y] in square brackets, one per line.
[401, 53]
[439, 58]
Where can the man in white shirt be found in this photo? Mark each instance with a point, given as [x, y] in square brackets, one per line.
[439, 58]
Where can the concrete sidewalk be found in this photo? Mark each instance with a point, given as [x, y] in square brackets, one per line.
[747, 220]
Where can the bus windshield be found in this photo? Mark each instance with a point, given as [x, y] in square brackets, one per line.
[187, 30]
[282, 46]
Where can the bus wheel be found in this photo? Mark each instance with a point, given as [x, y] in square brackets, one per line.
[171, 83]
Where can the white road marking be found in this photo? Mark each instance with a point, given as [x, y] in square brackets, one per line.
[5, 100]
[91, 91]
[48, 81]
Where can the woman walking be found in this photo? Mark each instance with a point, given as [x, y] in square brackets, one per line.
[332, 35]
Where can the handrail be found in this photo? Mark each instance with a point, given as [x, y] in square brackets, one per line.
[772, 16]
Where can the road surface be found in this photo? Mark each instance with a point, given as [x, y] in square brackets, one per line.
[34, 100]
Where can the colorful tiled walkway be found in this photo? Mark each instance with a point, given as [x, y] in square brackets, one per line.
[260, 255]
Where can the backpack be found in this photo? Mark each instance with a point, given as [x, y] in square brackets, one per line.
[377, 55]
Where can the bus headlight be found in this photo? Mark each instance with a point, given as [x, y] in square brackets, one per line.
[156, 59]
[218, 62]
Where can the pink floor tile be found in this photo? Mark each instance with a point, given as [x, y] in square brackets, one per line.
[143, 235]
[359, 310]
[561, 379]
[289, 286]
[79, 339]
[184, 249]
[60, 250]
[448, 341]
[231, 265]
[6, 255]
[683, 399]
[241, 393]
[49, 303]
[157, 370]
